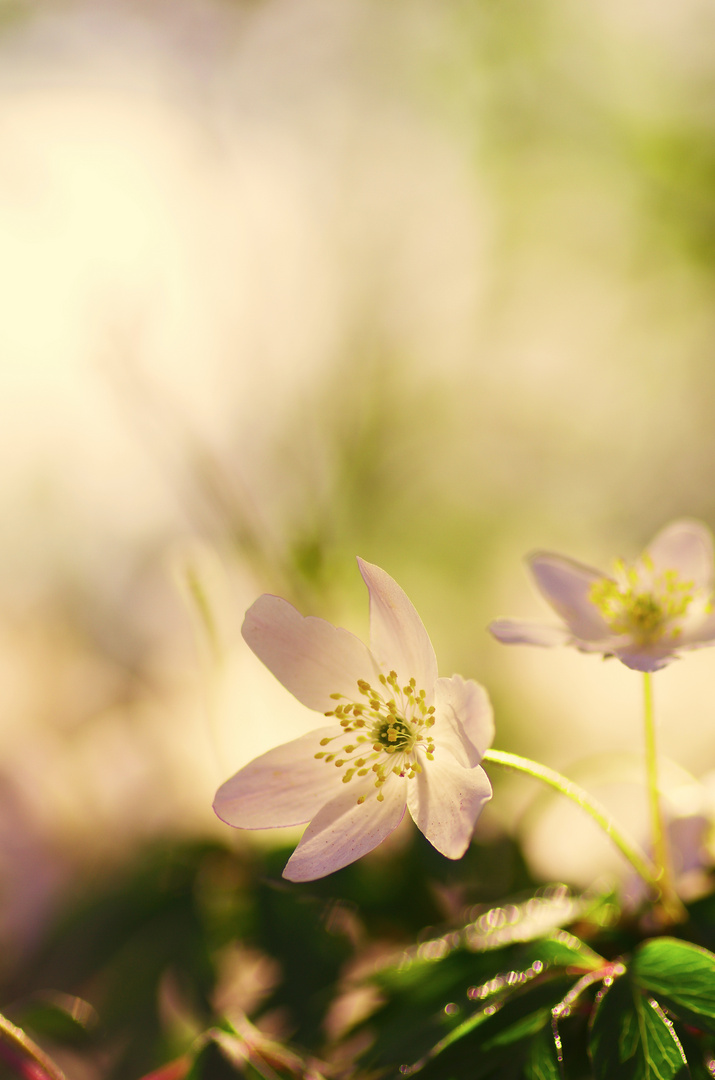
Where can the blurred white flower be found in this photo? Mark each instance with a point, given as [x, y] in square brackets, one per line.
[644, 614]
[399, 737]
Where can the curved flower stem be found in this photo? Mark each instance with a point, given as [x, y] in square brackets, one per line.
[600, 815]
[660, 836]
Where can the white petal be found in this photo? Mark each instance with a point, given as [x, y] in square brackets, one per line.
[398, 638]
[286, 786]
[464, 722]
[445, 800]
[567, 584]
[697, 633]
[344, 831]
[311, 657]
[643, 659]
[522, 632]
[685, 546]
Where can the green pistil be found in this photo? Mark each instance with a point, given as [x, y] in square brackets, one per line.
[647, 613]
[395, 735]
[385, 732]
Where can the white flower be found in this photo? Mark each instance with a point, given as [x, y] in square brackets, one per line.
[396, 737]
[644, 614]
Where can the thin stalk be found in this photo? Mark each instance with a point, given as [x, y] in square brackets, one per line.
[637, 858]
[671, 902]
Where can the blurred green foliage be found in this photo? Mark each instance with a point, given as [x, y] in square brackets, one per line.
[174, 912]
[485, 992]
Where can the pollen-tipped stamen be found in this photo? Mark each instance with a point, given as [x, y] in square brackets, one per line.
[393, 720]
[641, 603]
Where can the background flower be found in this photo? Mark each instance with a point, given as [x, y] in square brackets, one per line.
[644, 614]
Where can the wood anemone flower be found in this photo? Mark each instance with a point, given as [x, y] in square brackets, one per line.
[395, 738]
[645, 614]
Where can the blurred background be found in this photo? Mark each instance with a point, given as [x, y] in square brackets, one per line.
[283, 283]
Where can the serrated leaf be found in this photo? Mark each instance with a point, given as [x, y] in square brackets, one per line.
[662, 1049]
[435, 988]
[562, 949]
[495, 1036]
[681, 975]
[444, 960]
[543, 1061]
[535, 918]
[632, 1039]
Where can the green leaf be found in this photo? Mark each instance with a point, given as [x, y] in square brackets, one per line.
[441, 985]
[681, 975]
[632, 1039]
[496, 1037]
[543, 1061]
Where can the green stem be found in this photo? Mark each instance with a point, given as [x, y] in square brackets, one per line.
[671, 902]
[600, 815]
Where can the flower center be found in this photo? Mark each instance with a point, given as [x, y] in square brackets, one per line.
[642, 603]
[386, 732]
[394, 735]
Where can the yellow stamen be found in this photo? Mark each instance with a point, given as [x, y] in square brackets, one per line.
[389, 732]
[645, 605]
